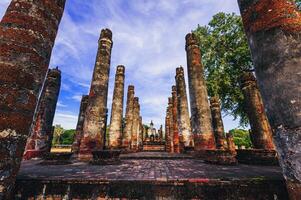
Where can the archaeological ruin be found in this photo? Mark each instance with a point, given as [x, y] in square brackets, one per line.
[190, 156]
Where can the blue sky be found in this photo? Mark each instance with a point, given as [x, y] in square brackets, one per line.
[149, 40]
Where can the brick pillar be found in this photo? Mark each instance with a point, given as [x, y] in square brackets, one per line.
[27, 38]
[217, 123]
[230, 143]
[167, 131]
[140, 139]
[200, 109]
[115, 130]
[171, 125]
[80, 123]
[261, 134]
[161, 133]
[183, 112]
[135, 125]
[95, 119]
[39, 142]
[275, 39]
[126, 139]
[176, 139]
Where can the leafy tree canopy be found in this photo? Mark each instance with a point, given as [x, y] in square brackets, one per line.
[241, 138]
[225, 55]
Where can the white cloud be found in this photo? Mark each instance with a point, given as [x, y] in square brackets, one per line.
[67, 120]
[60, 104]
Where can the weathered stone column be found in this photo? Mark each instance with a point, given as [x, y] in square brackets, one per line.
[95, 119]
[200, 110]
[27, 38]
[39, 142]
[135, 125]
[217, 123]
[176, 139]
[171, 124]
[161, 133]
[275, 42]
[80, 123]
[261, 134]
[141, 133]
[115, 130]
[167, 131]
[183, 112]
[126, 140]
[230, 143]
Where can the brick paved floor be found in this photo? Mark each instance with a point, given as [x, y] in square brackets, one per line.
[147, 169]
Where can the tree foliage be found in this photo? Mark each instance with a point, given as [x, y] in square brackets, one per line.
[225, 55]
[241, 138]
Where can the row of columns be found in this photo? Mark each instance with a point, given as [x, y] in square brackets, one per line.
[205, 129]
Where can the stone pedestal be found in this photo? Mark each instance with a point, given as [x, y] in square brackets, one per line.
[115, 130]
[275, 37]
[218, 157]
[106, 157]
[57, 159]
[94, 128]
[39, 142]
[79, 126]
[126, 139]
[217, 123]
[182, 109]
[28, 31]
[257, 156]
[200, 110]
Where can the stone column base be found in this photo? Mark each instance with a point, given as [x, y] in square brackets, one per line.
[218, 157]
[29, 154]
[106, 157]
[257, 157]
[204, 142]
[57, 159]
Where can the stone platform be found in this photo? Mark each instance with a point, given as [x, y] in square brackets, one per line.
[149, 179]
[155, 155]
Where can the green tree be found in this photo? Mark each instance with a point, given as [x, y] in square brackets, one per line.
[67, 137]
[241, 137]
[225, 55]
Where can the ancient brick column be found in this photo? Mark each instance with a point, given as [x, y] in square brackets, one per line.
[95, 119]
[115, 129]
[217, 123]
[275, 42]
[261, 133]
[200, 109]
[167, 131]
[183, 112]
[161, 133]
[80, 123]
[140, 138]
[135, 125]
[27, 37]
[176, 139]
[39, 142]
[171, 124]
[230, 143]
[126, 139]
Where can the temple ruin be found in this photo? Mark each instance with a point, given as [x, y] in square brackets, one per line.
[191, 156]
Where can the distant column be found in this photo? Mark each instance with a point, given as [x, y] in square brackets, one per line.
[200, 110]
[167, 131]
[95, 119]
[161, 132]
[80, 123]
[217, 123]
[171, 125]
[176, 139]
[27, 39]
[126, 140]
[39, 142]
[262, 137]
[141, 130]
[183, 112]
[135, 125]
[230, 143]
[115, 130]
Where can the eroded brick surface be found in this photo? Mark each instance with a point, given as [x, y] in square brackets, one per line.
[126, 139]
